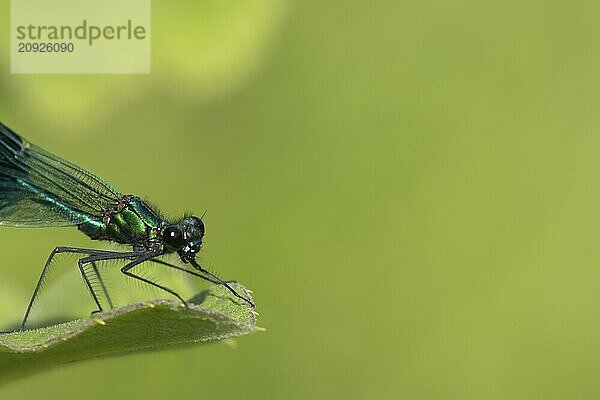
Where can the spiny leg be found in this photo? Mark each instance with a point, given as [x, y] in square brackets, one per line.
[219, 281]
[206, 278]
[216, 281]
[58, 250]
[126, 268]
[97, 273]
[38, 286]
[80, 263]
[92, 260]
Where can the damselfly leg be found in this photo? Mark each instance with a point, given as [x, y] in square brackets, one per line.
[126, 270]
[102, 254]
[206, 276]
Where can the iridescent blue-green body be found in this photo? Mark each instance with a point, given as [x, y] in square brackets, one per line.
[40, 189]
[131, 222]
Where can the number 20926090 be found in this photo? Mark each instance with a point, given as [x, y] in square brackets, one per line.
[46, 47]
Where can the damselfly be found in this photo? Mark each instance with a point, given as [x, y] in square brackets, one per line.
[40, 189]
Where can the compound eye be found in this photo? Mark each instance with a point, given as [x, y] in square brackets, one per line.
[173, 237]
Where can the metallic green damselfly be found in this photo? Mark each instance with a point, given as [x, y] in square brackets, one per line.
[40, 189]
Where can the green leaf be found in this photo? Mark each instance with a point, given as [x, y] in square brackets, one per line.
[210, 316]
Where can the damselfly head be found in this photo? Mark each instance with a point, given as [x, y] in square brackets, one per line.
[184, 237]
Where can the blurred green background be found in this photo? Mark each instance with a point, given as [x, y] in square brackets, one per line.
[410, 188]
